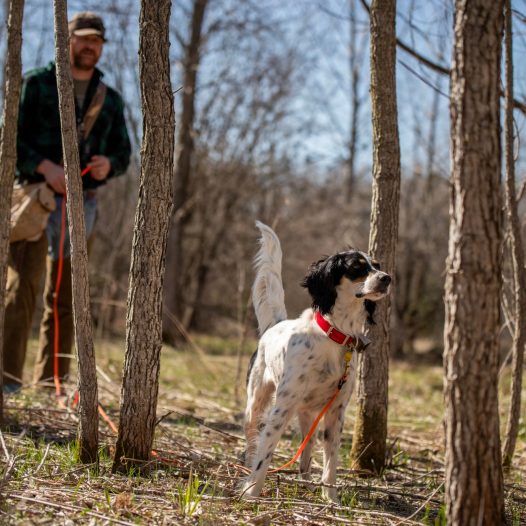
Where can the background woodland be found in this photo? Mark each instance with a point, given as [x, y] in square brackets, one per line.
[273, 123]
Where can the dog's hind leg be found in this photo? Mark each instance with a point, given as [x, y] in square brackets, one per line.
[259, 397]
[306, 418]
[277, 420]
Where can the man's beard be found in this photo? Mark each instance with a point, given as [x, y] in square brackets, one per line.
[85, 60]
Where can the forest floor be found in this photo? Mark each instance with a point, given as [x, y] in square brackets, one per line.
[199, 441]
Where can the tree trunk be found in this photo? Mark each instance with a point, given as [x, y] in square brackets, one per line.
[12, 81]
[354, 70]
[370, 430]
[140, 382]
[88, 433]
[175, 285]
[517, 255]
[474, 482]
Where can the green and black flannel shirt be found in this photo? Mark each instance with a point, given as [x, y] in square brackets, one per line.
[39, 134]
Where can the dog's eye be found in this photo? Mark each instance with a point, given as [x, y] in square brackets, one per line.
[376, 265]
[358, 265]
[357, 269]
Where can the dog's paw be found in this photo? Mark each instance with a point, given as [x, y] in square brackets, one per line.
[330, 495]
[247, 489]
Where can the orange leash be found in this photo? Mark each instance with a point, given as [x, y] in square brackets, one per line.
[56, 377]
[56, 335]
[107, 419]
[303, 445]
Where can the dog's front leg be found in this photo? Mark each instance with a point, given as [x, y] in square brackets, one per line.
[306, 418]
[333, 423]
[278, 419]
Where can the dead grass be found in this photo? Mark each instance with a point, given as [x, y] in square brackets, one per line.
[199, 442]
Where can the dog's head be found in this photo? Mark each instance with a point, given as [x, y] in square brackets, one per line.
[365, 280]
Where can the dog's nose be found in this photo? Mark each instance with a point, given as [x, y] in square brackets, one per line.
[386, 279]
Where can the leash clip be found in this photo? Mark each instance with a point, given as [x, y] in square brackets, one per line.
[342, 381]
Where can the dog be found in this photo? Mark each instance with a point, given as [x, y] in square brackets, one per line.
[299, 364]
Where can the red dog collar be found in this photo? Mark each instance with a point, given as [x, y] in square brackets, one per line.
[332, 332]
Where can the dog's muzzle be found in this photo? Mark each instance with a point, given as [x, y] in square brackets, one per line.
[377, 286]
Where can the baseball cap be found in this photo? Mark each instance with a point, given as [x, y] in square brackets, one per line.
[86, 23]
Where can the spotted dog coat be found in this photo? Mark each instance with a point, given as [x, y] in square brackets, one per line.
[296, 364]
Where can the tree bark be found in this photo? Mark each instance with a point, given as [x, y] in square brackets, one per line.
[144, 317]
[12, 82]
[474, 481]
[88, 432]
[517, 255]
[175, 285]
[370, 430]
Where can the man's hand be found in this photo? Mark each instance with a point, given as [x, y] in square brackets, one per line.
[100, 167]
[53, 174]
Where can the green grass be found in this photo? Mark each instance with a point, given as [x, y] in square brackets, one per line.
[190, 494]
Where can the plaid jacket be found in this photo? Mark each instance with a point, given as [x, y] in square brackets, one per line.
[39, 135]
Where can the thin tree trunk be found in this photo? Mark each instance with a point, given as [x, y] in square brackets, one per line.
[175, 285]
[431, 149]
[474, 481]
[355, 100]
[12, 82]
[517, 255]
[207, 253]
[88, 432]
[370, 430]
[140, 382]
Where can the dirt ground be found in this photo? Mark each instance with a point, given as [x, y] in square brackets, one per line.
[198, 445]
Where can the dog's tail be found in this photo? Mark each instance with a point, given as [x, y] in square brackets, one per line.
[268, 296]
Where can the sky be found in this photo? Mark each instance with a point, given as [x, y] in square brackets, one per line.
[322, 28]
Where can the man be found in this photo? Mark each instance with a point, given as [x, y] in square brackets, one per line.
[104, 149]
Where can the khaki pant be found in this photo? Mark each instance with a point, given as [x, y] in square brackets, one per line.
[27, 263]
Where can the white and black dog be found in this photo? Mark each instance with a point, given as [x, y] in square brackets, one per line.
[299, 363]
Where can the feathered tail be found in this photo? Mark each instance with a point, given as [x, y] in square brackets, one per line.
[268, 296]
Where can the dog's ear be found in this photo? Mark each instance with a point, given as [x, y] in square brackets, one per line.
[370, 307]
[321, 282]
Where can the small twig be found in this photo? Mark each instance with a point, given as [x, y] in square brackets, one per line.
[43, 459]
[162, 417]
[423, 504]
[10, 461]
[104, 375]
[4, 447]
[239, 497]
[522, 189]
